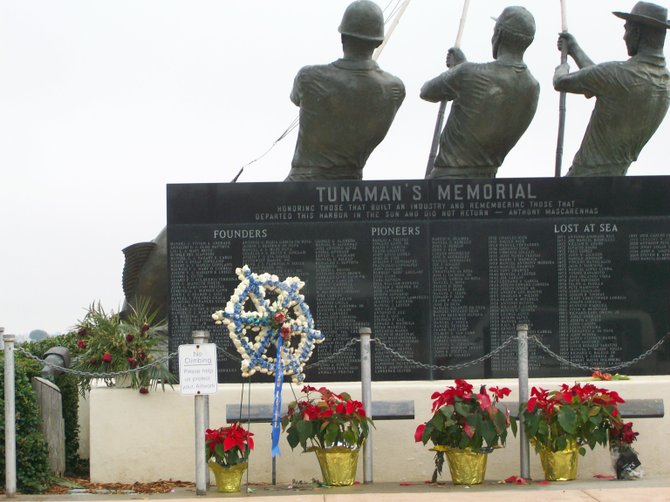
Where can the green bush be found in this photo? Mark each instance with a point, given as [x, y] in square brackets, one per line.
[32, 458]
[69, 387]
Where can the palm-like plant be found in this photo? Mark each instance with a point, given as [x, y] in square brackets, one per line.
[109, 343]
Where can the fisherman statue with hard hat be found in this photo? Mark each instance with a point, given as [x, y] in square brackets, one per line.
[346, 107]
[632, 97]
[493, 103]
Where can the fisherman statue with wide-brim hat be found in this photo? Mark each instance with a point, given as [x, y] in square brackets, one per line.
[632, 97]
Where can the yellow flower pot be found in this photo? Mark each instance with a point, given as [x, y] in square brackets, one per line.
[338, 465]
[228, 479]
[560, 465]
[467, 467]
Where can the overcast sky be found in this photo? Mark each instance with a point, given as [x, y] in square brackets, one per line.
[103, 103]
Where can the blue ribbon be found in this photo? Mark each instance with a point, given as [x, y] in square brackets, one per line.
[276, 404]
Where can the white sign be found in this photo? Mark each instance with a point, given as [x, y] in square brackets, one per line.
[198, 372]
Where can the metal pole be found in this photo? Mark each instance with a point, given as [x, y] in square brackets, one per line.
[522, 333]
[366, 391]
[10, 417]
[206, 399]
[200, 408]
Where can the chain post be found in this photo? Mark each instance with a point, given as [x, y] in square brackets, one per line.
[201, 419]
[522, 335]
[366, 384]
[10, 417]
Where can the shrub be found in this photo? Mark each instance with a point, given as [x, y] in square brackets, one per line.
[32, 460]
[69, 387]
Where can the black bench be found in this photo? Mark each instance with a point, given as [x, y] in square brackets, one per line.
[404, 410]
[632, 408]
[260, 413]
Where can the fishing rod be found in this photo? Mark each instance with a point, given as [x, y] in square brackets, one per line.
[562, 99]
[394, 24]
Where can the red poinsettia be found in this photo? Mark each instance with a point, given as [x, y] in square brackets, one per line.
[326, 419]
[579, 414]
[463, 419]
[229, 445]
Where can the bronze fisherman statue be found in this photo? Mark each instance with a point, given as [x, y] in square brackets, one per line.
[632, 97]
[492, 103]
[346, 107]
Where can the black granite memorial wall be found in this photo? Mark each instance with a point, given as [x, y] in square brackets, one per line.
[442, 271]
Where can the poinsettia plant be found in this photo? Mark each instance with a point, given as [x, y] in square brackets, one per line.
[325, 419]
[109, 343]
[228, 446]
[581, 415]
[465, 419]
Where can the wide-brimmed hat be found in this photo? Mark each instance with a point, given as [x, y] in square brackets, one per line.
[647, 13]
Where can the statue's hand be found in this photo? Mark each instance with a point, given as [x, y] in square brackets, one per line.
[561, 71]
[455, 56]
[568, 39]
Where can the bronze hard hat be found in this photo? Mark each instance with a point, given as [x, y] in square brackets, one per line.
[363, 19]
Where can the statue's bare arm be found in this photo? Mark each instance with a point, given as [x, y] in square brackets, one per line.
[574, 50]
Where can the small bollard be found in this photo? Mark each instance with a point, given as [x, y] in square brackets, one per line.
[522, 333]
[366, 391]
[10, 417]
[201, 420]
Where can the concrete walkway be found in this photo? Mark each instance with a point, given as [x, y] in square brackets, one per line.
[644, 490]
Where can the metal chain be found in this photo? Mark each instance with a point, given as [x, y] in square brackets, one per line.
[334, 355]
[591, 369]
[449, 367]
[353, 341]
[89, 374]
[228, 355]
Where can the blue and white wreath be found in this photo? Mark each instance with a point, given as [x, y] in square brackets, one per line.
[262, 310]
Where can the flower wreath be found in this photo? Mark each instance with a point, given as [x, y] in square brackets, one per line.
[279, 310]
